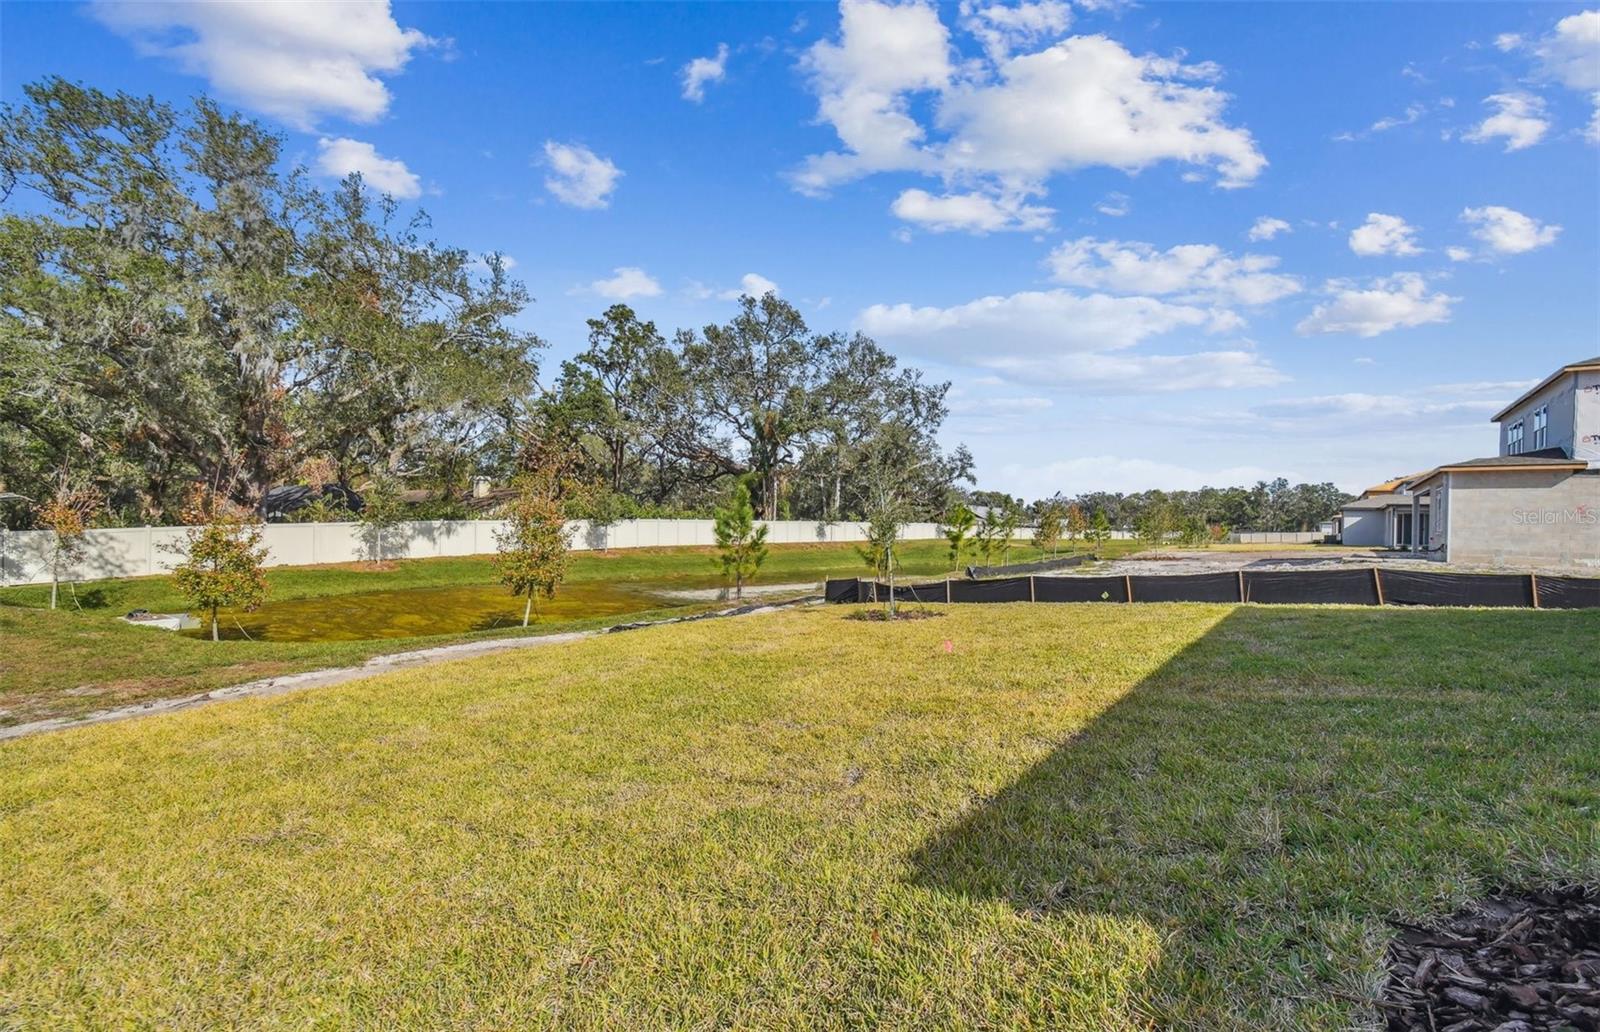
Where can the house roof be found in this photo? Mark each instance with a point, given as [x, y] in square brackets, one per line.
[1388, 486]
[1584, 366]
[1528, 462]
[1385, 500]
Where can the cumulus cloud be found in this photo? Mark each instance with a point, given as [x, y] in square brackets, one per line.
[1519, 119]
[970, 212]
[578, 176]
[340, 157]
[1050, 321]
[890, 88]
[703, 70]
[1268, 228]
[626, 281]
[1193, 272]
[1388, 303]
[1384, 234]
[1506, 231]
[296, 61]
[753, 284]
[1128, 373]
[1002, 28]
[1571, 56]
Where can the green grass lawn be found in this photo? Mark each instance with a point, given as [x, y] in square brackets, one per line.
[1077, 817]
[76, 661]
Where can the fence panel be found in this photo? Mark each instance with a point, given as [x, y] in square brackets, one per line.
[1569, 592]
[1338, 587]
[1080, 589]
[1407, 588]
[1201, 587]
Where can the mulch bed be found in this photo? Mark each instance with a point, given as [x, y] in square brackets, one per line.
[1512, 963]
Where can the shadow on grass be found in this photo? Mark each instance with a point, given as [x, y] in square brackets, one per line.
[1275, 790]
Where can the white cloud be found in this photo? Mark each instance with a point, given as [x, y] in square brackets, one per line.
[295, 60]
[1388, 303]
[340, 157]
[1001, 127]
[578, 176]
[1507, 42]
[971, 212]
[1123, 474]
[1458, 254]
[703, 70]
[1193, 272]
[1127, 373]
[1059, 337]
[1048, 321]
[1571, 55]
[1519, 118]
[1267, 228]
[752, 284]
[1002, 28]
[1087, 101]
[1506, 231]
[1115, 205]
[626, 281]
[1413, 112]
[1384, 234]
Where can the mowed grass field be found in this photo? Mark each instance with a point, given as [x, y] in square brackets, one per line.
[1160, 816]
[77, 660]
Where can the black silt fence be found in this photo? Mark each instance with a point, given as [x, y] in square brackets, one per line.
[1567, 592]
[1080, 589]
[1404, 588]
[1196, 587]
[1363, 587]
[1019, 569]
[1327, 587]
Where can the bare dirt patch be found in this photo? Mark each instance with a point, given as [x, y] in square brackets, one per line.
[1512, 963]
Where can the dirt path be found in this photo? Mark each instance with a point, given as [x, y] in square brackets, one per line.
[329, 676]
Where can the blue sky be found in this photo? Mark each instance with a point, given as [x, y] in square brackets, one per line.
[1152, 245]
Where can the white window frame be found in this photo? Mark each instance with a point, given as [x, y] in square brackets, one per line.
[1514, 438]
[1541, 427]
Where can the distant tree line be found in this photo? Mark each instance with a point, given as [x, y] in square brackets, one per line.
[1273, 505]
[178, 309]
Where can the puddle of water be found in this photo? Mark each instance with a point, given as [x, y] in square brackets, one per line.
[415, 612]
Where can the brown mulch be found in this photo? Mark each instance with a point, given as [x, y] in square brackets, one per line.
[1512, 963]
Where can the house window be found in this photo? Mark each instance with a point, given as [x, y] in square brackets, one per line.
[1541, 426]
[1514, 438]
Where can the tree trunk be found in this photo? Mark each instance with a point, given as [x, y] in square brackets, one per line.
[738, 586]
[214, 636]
[527, 610]
[55, 582]
[888, 558]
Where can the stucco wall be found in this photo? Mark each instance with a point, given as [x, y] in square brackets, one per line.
[1364, 528]
[1532, 519]
[140, 551]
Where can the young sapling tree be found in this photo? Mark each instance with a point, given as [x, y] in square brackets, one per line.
[222, 558]
[741, 545]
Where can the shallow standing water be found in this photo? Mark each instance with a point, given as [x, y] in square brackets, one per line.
[415, 612]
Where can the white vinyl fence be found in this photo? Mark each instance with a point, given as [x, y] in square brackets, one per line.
[1276, 537]
[141, 551]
